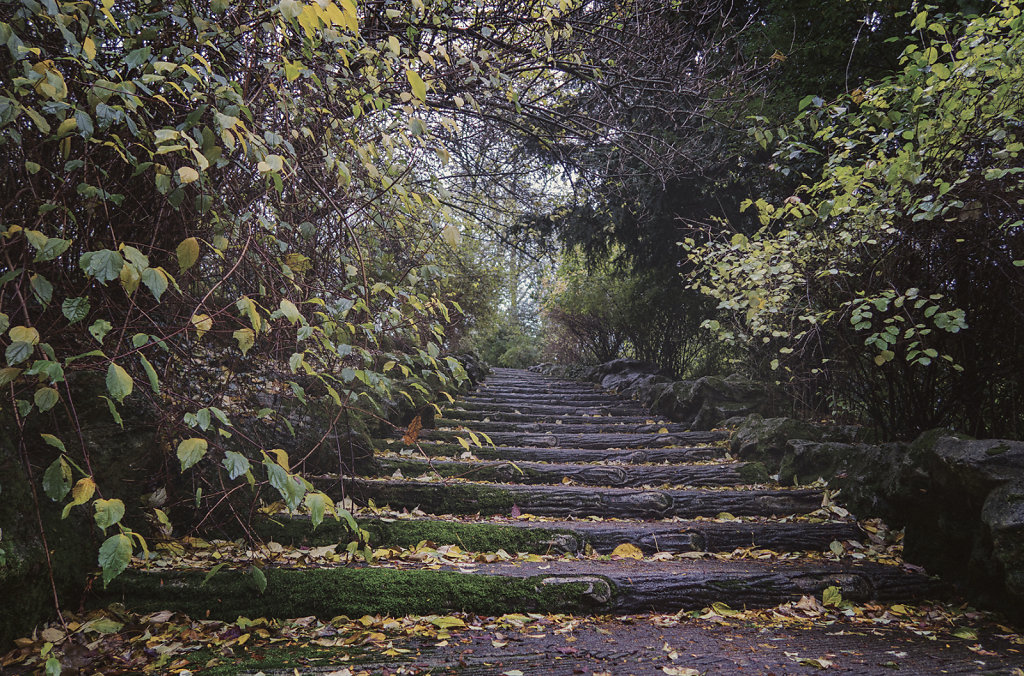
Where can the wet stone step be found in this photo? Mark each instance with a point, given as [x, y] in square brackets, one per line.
[563, 455]
[626, 586]
[582, 440]
[568, 537]
[524, 472]
[459, 497]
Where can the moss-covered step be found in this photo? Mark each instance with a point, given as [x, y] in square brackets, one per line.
[523, 472]
[517, 453]
[594, 425]
[463, 497]
[569, 537]
[570, 440]
[625, 586]
[565, 409]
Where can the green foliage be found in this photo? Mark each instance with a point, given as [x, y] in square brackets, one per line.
[600, 311]
[888, 279]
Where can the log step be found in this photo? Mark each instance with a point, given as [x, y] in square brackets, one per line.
[462, 417]
[461, 497]
[584, 440]
[493, 589]
[524, 472]
[592, 399]
[563, 409]
[569, 537]
[562, 455]
[611, 425]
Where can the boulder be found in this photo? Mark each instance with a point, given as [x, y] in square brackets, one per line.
[767, 438]
[704, 403]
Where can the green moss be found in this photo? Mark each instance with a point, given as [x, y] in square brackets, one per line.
[476, 537]
[753, 472]
[328, 592]
[264, 658]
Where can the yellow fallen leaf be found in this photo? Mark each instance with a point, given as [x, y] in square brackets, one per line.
[628, 551]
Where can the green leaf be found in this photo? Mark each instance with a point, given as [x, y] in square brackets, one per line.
[112, 407]
[75, 309]
[258, 578]
[154, 380]
[99, 330]
[105, 265]
[155, 280]
[46, 398]
[291, 488]
[42, 289]
[290, 312]
[318, 504]
[54, 441]
[191, 451]
[832, 597]
[52, 666]
[57, 480]
[18, 351]
[115, 554]
[119, 383]
[236, 464]
[188, 253]
[213, 571]
[108, 512]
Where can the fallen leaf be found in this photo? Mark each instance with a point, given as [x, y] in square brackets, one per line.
[628, 551]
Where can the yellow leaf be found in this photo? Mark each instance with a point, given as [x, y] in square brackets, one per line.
[202, 324]
[448, 622]
[187, 175]
[419, 87]
[281, 456]
[188, 252]
[628, 551]
[89, 48]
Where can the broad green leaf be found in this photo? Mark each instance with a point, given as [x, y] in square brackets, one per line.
[188, 253]
[318, 504]
[291, 488]
[53, 247]
[105, 265]
[45, 398]
[52, 667]
[119, 383]
[99, 330]
[191, 451]
[236, 464]
[108, 512]
[7, 375]
[75, 309]
[290, 312]
[18, 351]
[42, 289]
[155, 280]
[57, 480]
[115, 554]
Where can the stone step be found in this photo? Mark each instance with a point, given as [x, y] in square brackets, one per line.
[567, 409]
[464, 497]
[624, 587]
[516, 453]
[612, 426]
[523, 472]
[583, 440]
[568, 537]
